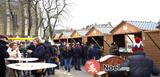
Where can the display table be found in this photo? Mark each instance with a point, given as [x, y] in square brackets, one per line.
[22, 59]
[30, 66]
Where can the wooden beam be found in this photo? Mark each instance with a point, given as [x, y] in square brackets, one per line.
[96, 42]
[153, 41]
[73, 40]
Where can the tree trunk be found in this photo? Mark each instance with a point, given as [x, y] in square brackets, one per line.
[49, 24]
[22, 19]
[13, 18]
[54, 25]
[36, 20]
[29, 18]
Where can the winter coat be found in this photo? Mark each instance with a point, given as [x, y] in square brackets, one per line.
[140, 65]
[77, 51]
[31, 47]
[3, 54]
[68, 53]
[94, 53]
[84, 50]
[39, 52]
[47, 45]
[114, 51]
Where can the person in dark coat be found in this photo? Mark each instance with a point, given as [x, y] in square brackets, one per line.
[77, 54]
[114, 50]
[3, 54]
[47, 46]
[84, 53]
[47, 57]
[30, 48]
[68, 54]
[61, 50]
[38, 52]
[140, 65]
[94, 52]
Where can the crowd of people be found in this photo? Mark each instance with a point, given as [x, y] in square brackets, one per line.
[71, 56]
[67, 55]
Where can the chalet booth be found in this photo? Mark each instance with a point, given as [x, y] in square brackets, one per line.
[65, 37]
[100, 37]
[56, 38]
[79, 36]
[94, 36]
[125, 33]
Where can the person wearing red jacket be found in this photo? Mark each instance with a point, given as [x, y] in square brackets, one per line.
[138, 45]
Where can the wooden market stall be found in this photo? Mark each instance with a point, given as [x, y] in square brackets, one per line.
[79, 36]
[94, 36]
[56, 38]
[126, 31]
[99, 36]
[151, 42]
[65, 37]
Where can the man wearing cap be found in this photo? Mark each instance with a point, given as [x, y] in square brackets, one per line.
[3, 54]
[139, 64]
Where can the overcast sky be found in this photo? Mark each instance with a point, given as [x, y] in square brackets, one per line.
[86, 12]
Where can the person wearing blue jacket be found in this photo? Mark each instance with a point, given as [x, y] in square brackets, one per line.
[38, 52]
[94, 52]
[77, 50]
[140, 65]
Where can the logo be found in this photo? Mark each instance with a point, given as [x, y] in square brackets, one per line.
[92, 67]
[111, 67]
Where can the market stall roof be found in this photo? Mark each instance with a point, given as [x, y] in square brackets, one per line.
[56, 36]
[144, 25]
[65, 35]
[98, 31]
[78, 33]
[82, 32]
[105, 30]
[134, 27]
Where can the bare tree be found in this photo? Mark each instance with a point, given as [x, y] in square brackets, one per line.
[38, 15]
[13, 17]
[29, 16]
[3, 15]
[22, 3]
[35, 8]
[54, 9]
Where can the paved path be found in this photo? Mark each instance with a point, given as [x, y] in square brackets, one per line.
[60, 73]
[74, 73]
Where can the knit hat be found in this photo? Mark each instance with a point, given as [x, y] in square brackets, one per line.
[137, 40]
[138, 45]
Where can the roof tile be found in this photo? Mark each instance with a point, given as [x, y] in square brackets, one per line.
[144, 25]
